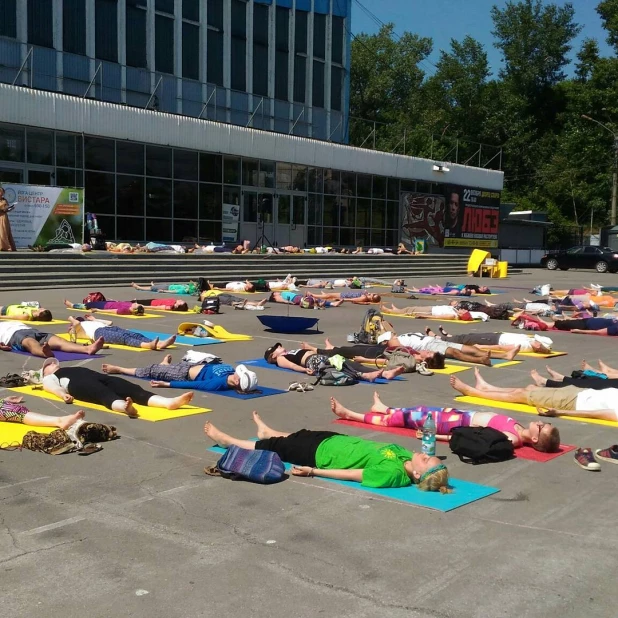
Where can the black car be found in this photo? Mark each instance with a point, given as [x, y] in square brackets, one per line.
[602, 259]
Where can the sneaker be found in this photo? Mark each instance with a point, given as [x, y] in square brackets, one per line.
[609, 454]
[422, 369]
[596, 286]
[585, 459]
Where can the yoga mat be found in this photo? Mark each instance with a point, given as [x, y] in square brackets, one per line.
[62, 356]
[447, 371]
[12, 434]
[115, 346]
[527, 452]
[464, 491]
[535, 355]
[522, 407]
[37, 323]
[260, 362]
[116, 315]
[145, 413]
[216, 331]
[496, 363]
[266, 391]
[411, 317]
[457, 295]
[180, 339]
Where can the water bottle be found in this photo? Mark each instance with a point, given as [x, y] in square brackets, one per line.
[429, 436]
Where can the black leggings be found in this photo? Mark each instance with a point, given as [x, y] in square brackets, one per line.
[597, 384]
[299, 448]
[475, 339]
[358, 349]
[94, 387]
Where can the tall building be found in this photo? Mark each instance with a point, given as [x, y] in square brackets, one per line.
[170, 112]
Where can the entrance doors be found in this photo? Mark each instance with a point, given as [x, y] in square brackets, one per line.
[291, 220]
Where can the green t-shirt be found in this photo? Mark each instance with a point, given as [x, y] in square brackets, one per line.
[382, 463]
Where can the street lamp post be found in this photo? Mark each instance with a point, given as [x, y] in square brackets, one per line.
[612, 218]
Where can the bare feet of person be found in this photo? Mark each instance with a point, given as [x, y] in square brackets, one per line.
[93, 348]
[389, 374]
[181, 400]
[166, 343]
[47, 351]
[263, 430]
[133, 284]
[537, 378]
[377, 405]
[68, 304]
[110, 369]
[604, 368]
[442, 331]
[460, 386]
[328, 345]
[512, 353]
[307, 346]
[64, 422]
[337, 303]
[586, 366]
[150, 345]
[554, 374]
[372, 376]
[130, 408]
[217, 436]
[480, 382]
[339, 410]
[167, 360]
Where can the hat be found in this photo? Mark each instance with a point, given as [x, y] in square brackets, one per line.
[271, 350]
[385, 336]
[544, 341]
[248, 379]
[36, 377]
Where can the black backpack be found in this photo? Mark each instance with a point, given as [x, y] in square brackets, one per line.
[477, 445]
[329, 376]
[210, 305]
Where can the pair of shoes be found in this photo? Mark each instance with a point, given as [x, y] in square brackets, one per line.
[609, 454]
[585, 459]
[300, 387]
[423, 370]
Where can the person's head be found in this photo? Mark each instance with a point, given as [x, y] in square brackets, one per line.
[464, 315]
[137, 309]
[544, 437]
[42, 315]
[373, 298]
[249, 287]
[243, 380]
[308, 302]
[433, 360]
[429, 473]
[483, 289]
[51, 365]
[453, 303]
[86, 247]
[541, 344]
[271, 354]
[180, 305]
[453, 207]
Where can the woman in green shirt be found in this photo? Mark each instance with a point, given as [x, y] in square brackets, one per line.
[346, 458]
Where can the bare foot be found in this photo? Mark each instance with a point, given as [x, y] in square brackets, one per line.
[307, 346]
[93, 348]
[215, 435]
[64, 422]
[480, 382]
[328, 345]
[337, 303]
[263, 430]
[262, 302]
[181, 400]
[512, 353]
[603, 367]
[150, 345]
[389, 374]
[372, 376]
[106, 368]
[537, 378]
[68, 304]
[167, 360]
[166, 343]
[339, 410]
[460, 386]
[47, 351]
[554, 374]
[133, 284]
[378, 406]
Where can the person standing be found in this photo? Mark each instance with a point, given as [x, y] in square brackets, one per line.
[7, 243]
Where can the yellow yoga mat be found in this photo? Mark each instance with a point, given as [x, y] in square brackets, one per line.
[522, 407]
[145, 413]
[207, 293]
[37, 323]
[498, 363]
[11, 434]
[113, 313]
[550, 355]
[436, 319]
[113, 346]
[215, 331]
[450, 369]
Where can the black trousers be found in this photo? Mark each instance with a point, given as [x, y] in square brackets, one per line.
[476, 339]
[94, 387]
[358, 349]
[299, 448]
[597, 384]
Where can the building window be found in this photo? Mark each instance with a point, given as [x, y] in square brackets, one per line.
[239, 46]
[100, 194]
[100, 154]
[8, 18]
[337, 40]
[214, 66]
[336, 88]
[215, 14]
[186, 201]
[185, 165]
[300, 32]
[41, 23]
[106, 30]
[164, 44]
[281, 53]
[231, 171]
[319, 36]
[260, 50]
[129, 158]
[40, 146]
[74, 26]
[158, 161]
[130, 228]
[318, 83]
[158, 197]
[136, 33]
[210, 201]
[191, 10]
[190, 50]
[130, 195]
[165, 6]
[210, 167]
[68, 150]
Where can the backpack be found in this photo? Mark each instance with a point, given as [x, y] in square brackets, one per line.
[211, 305]
[12, 380]
[477, 445]
[329, 376]
[94, 297]
[241, 464]
[371, 328]
[398, 289]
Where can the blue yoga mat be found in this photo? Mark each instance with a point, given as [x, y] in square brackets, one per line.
[180, 339]
[64, 356]
[260, 362]
[265, 392]
[464, 492]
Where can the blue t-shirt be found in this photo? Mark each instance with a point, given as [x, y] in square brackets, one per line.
[600, 324]
[212, 377]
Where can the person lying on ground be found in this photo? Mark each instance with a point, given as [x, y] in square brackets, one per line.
[450, 289]
[567, 401]
[403, 250]
[243, 249]
[307, 361]
[169, 304]
[304, 301]
[117, 394]
[495, 312]
[357, 297]
[543, 437]
[234, 286]
[190, 289]
[204, 376]
[604, 369]
[587, 301]
[605, 327]
[534, 308]
[23, 338]
[346, 458]
[444, 312]
[25, 313]
[11, 411]
[235, 301]
[558, 380]
[120, 307]
[332, 283]
[93, 329]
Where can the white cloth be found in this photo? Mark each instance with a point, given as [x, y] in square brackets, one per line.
[8, 329]
[479, 315]
[537, 307]
[52, 382]
[606, 399]
[422, 343]
[516, 339]
[90, 327]
[235, 286]
[196, 358]
[441, 311]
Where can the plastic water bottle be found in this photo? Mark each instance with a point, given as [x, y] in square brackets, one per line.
[428, 446]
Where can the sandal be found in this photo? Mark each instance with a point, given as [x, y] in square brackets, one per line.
[293, 386]
[304, 387]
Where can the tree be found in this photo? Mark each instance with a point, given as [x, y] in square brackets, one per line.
[608, 11]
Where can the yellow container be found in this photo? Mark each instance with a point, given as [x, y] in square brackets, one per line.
[503, 268]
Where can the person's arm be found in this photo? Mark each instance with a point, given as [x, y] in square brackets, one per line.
[440, 437]
[22, 317]
[362, 359]
[284, 363]
[160, 384]
[358, 301]
[578, 331]
[195, 385]
[340, 475]
[53, 386]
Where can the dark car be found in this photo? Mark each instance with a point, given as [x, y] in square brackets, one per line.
[602, 259]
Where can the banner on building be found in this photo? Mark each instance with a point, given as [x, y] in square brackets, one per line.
[423, 218]
[45, 215]
[229, 229]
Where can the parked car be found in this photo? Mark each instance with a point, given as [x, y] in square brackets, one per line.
[602, 259]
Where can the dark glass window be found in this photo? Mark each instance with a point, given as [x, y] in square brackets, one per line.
[158, 197]
[267, 174]
[68, 150]
[299, 178]
[100, 193]
[74, 26]
[185, 201]
[260, 70]
[100, 154]
[8, 18]
[129, 158]
[331, 211]
[158, 161]
[136, 36]
[336, 88]
[348, 212]
[300, 28]
[250, 172]
[231, 171]
[191, 9]
[393, 189]
[379, 187]
[215, 57]
[108, 225]
[65, 177]
[185, 231]
[363, 186]
[318, 84]
[130, 195]
[40, 146]
[40, 23]
[190, 51]
[281, 75]
[378, 212]
[348, 183]
[392, 214]
[159, 229]
[215, 14]
[210, 167]
[338, 39]
[363, 210]
[185, 165]
[239, 19]
[165, 6]
[106, 30]
[316, 179]
[332, 182]
[210, 201]
[239, 64]
[260, 24]
[319, 36]
[210, 231]
[130, 228]
[164, 44]
[282, 29]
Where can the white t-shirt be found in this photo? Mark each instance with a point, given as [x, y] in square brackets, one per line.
[479, 315]
[516, 339]
[411, 340]
[235, 286]
[53, 382]
[8, 329]
[90, 327]
[441, 311]
[537, 307]
[340, 283]
[606, 399]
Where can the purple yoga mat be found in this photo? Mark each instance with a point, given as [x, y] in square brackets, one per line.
[64, 356]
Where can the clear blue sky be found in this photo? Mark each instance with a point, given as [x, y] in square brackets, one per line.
[443, 20]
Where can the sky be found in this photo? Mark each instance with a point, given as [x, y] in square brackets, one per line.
[443, 20]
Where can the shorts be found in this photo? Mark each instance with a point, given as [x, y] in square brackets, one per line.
[229, 299]
[558, 398]
[299, 448]
[315, 361]
[439, 346]
[16, 341]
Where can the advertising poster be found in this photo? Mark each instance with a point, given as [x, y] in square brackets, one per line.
[45, 215]
[423, 218]
[229, 229]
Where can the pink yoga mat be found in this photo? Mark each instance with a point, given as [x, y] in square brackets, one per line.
[525, 452]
